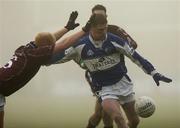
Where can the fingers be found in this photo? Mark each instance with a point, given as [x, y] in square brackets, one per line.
[74, 15]
[71, 22]
[92, 17]
[165, 79]
[157, 82]
[86, 28]
[158, 77]
[76, 25]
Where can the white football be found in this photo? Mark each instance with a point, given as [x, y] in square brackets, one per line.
[145, 106]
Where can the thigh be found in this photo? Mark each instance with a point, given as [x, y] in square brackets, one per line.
[130, 110]
[98, 107]
[113, 109]
[107, 119]
[122, 88]
[111, 106]
[127, 99]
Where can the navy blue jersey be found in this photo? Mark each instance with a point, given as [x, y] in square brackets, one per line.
[102, 59]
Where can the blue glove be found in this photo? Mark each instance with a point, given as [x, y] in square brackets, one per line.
[158, 77]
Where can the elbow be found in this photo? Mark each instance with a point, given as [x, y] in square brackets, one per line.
[135, 45]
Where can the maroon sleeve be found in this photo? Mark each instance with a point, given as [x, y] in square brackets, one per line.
[40, 55]
[123, 34]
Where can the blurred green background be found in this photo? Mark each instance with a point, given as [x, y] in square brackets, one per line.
[58, 96]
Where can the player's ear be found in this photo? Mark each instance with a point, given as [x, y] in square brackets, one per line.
[44, 38]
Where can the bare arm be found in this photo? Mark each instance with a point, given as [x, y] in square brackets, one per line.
[69, 26]
[63, 44]
[61, 52]
[45, 38]
[58, 34]
[75, 37]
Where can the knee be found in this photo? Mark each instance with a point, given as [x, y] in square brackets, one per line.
[108, 122]
[116, 116]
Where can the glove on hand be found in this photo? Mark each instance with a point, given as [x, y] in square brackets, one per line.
[158, 77]
[88, 24]
[71, 22]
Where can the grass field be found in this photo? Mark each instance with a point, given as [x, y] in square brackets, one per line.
[56, 112]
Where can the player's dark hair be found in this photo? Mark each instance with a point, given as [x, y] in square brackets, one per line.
[98, 7]
[98, 19]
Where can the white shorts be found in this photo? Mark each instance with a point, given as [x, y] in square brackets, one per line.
[122, 91]
[2, 102]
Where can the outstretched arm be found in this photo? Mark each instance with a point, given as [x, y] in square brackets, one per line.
[58, 34]
[141, 62]
[148, 67]
[61, 45]
[61, 54]
[46, 38]
[69, 26]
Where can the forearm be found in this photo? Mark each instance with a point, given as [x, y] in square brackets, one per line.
[143, 63]
[58, 34]
[136, 58]
[67, 42]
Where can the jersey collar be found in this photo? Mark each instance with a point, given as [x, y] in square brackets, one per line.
[97, 44]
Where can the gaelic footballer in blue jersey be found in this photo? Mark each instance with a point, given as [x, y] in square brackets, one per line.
[98, 113]
[100, 52]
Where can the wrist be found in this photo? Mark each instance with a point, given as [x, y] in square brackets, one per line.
[67, 28]
[153, 72]
[84, 30]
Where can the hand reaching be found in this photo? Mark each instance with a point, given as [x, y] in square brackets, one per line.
[158, 77]
[86, 28]
[71, 22]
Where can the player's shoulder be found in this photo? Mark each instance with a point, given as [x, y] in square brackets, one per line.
[114, 38]
[82, 41]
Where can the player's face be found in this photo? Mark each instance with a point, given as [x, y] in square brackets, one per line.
[100, 12]
[98, 32]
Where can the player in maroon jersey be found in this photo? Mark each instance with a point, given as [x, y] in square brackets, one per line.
[99, 113]
[28, 59]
